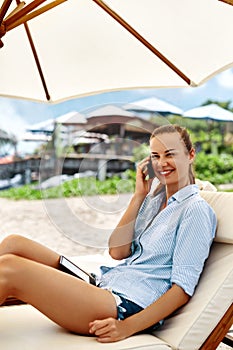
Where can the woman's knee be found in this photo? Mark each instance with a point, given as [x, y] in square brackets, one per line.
[8, 265]
[11, 244]
[8, 272]
[8, 262]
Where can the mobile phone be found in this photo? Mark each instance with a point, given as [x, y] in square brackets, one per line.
[69, 267]
[151, 173]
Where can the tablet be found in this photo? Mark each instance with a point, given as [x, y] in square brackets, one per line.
[69, 267]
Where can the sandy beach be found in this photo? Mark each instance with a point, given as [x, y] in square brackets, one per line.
[73, 227]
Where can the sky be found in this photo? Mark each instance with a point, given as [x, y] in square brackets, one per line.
[16, 115]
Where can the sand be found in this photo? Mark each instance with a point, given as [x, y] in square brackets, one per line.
[73, 227]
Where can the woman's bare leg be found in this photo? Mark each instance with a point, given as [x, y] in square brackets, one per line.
[26, 248]
[65, 299]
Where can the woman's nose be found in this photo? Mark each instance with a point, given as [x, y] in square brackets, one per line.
[162, 162]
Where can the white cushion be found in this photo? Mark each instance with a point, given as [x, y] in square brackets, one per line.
[191, 325]
[222, 203]
[25, 328]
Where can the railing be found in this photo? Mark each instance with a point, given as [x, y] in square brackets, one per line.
[50, 165]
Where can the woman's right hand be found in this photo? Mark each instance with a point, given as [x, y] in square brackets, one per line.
[109, 330]
[143, 183]
[121, 238]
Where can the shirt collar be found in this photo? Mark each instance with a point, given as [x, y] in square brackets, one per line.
[184, 193]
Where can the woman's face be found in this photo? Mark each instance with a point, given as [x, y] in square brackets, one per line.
[171, 160]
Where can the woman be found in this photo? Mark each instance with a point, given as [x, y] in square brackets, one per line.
[164, 237]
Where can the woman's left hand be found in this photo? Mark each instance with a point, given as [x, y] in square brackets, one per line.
[108, 330]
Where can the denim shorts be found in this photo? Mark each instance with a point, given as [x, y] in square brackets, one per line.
[125, 307]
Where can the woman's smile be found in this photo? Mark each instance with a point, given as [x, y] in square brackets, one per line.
[166, 172]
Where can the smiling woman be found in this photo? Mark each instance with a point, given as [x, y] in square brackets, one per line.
[164, 238]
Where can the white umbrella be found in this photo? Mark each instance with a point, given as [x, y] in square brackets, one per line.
[45, 130]
[153, 104]
[30, 136]
[44, 126]
[82, 49]
[211, 112]
[47, 126]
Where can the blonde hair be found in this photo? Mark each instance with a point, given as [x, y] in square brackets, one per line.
[173, 128]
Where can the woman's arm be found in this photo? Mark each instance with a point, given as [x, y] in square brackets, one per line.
[169, 302]
[121, 238]
[111, 330]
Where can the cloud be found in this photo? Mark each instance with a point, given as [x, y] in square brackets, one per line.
[10, 120]
[225, 79]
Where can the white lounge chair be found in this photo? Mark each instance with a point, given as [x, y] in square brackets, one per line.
[201, 324]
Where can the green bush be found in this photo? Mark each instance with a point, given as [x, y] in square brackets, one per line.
[141, 152]
[23, 192]
[217, 169]
[75, 187]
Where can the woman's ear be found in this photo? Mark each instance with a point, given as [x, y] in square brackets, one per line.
[192, 155]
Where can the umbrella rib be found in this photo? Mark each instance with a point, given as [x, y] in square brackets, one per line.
[22, 12]
[34, 14]
[37, 61]
[15, 20]
[4, 9]
[229, 2]
[18, 8]
[139, 37]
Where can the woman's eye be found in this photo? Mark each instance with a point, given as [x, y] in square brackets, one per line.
[154, 156]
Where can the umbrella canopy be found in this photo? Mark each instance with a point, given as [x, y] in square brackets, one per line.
[46, 127]
[211, 111]
[30, 136]
[89, 46]
[153, 104]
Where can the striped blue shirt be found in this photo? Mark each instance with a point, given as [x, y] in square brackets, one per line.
[169, 246]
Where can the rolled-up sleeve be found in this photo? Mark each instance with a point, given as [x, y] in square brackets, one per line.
[195, 235]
